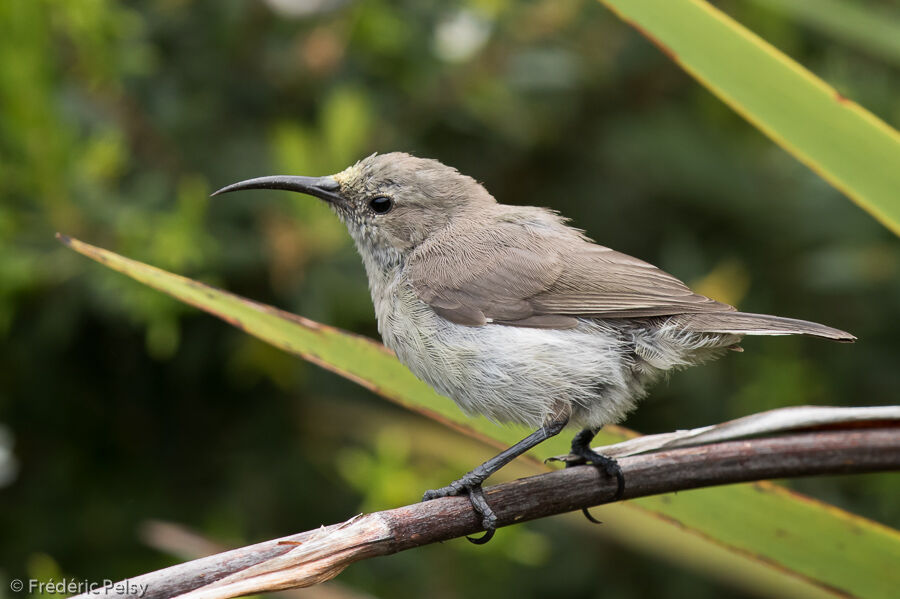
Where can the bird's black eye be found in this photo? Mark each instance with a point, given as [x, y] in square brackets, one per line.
[381, 204]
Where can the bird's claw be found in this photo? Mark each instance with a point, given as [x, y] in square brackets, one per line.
[488, 517]
[609, 466]
[590, 517]
[478, 501]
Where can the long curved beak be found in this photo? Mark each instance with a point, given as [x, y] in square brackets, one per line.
[325, 188]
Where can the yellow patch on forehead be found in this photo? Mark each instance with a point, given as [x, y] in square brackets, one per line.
[348, 175]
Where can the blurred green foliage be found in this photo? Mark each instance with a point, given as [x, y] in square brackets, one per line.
[117, 119]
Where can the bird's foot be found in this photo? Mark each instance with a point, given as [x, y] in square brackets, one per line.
[586, 455]
[470, 486]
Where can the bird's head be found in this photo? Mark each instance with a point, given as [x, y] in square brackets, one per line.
[390, 203]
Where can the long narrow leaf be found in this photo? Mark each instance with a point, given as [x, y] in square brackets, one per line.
[841, 141]
[826, 551]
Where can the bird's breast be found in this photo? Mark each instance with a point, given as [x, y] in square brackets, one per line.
[406, 324]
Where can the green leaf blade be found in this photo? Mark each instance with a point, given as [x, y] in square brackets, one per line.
[845, 144]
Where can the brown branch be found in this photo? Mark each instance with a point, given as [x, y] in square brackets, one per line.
[311, 557]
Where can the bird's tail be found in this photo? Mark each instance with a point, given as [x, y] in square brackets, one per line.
[744, 323]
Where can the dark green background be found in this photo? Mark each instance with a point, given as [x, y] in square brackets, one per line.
[119, 405]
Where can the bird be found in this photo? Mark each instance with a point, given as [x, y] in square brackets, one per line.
[513, 313]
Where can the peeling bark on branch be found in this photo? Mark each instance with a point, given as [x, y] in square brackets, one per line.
[311, 557]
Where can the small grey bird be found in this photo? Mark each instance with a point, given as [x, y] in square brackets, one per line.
[514, 314]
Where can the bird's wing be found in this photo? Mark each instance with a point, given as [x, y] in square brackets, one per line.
[542, 277]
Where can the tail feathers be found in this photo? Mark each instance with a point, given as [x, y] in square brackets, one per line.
[744, 323]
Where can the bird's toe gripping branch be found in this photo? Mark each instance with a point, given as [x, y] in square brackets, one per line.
[586, 455]
[471, 482]
[470, 486]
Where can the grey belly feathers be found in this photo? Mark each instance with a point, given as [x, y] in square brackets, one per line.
[600, 369]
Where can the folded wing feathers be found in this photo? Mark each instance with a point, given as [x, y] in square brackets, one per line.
[547, 275]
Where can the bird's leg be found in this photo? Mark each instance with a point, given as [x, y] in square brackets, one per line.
[581, 447]
[470, 483]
